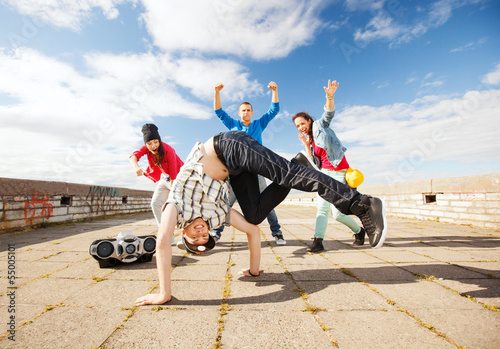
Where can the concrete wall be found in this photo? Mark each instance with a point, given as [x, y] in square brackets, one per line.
[26, 203]
[461, 200]
[471, 200]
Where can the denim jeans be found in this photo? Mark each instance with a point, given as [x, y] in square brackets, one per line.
[272, 218]
[245, 158]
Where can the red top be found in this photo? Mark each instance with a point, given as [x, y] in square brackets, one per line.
[343, 165]
[171, 162]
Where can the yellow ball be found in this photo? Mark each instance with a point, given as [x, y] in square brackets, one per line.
[354, 177]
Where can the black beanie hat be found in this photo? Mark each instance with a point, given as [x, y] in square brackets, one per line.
[150, 132]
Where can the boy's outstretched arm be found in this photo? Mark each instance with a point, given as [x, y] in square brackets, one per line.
[238, 221]
[163, 258]
[273, 87]
[218, 86]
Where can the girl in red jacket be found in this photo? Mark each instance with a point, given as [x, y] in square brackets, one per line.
[163, 166]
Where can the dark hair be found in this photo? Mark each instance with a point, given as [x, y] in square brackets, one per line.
[199, 249]
[308, 118]
[246, 103]
[158, 157]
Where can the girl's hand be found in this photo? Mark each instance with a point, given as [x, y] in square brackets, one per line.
[332, 87]
[305, 140]
[139, 172]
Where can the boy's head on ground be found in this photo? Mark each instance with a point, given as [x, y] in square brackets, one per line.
[196, 237]
[245, 112]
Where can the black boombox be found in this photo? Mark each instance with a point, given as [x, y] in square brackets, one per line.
[126, 248]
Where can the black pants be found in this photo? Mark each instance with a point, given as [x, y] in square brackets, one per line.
[246, 158]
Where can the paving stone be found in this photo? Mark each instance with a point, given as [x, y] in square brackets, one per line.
[348, 296]
[109, 293]
[361, 297]
[476, 328]
[423, 295]
[273, 329]
[379, 329]
[441, 270]
[255, 294]
[486, 291]
[68, 327]
[167, 328]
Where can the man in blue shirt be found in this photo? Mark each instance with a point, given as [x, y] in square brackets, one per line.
[254, 129]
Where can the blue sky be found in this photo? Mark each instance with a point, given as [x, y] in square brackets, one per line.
[419, 93]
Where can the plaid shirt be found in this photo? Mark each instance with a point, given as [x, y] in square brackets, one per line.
[195, 194]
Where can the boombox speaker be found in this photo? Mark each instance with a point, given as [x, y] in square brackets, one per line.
[126, 248]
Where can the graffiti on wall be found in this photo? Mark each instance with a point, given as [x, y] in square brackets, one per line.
[99, 198]
[38, 207]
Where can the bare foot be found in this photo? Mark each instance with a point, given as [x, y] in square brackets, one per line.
[154, 298]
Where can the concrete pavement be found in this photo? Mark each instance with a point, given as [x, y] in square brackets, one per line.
[432, 285]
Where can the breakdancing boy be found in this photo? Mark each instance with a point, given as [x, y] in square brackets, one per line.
[198, 200]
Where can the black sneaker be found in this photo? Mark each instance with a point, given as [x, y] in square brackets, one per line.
[280, 240]
[359, 238]
[371, 212]
[316, 246]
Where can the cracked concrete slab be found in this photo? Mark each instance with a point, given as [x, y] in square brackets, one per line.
[431, 285]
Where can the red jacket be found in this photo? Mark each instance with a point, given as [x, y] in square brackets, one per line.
[170, 165]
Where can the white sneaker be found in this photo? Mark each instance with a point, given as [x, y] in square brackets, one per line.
[180, 245]
[216, 238]
[280, 240]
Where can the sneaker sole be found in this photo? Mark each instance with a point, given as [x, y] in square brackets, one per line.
[316, 251]
[384, 232]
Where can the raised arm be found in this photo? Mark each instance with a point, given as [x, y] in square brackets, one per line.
[218, 86]
[273, 87]
[238, 221]
[163, 258]
[330, 93]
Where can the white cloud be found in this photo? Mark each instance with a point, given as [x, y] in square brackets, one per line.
[465, 47]
[379, 27]
[382, 84]
[80, 127]
[67, 13]
[363, 5]
[257, 29]
[493, 77]
[435, 83]
[468, 46]
[74, 124]
[440, 11]
[399, 142]
[411, 80]
[389, 23]
[201, 75]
